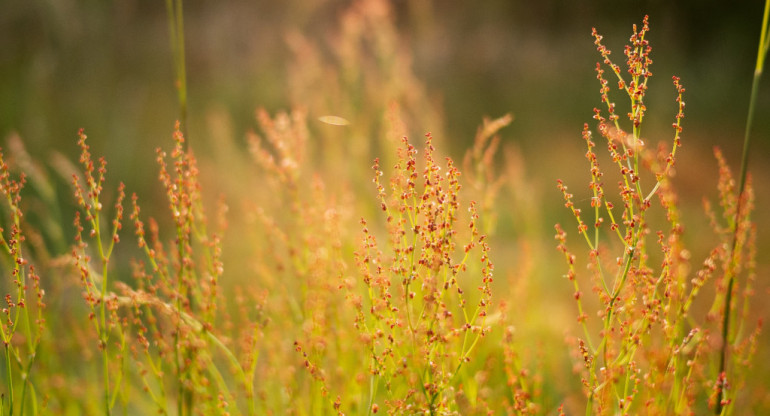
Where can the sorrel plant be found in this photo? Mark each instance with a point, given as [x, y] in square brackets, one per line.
[416, 319]
[649, 346]
[23, 309]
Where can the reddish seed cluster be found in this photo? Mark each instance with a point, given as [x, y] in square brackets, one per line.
[314, 370]
[432, 308]
[175, 303]
[642, 304]
[23, 308]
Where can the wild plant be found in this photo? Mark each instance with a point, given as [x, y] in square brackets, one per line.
[23, 310]
[95, 276]
[424, 307]
[166, 322]
[301, 241]
[738, 223]
[178, 292]
[340, 296]
[479, 163]
[652, 345]
[733, 258]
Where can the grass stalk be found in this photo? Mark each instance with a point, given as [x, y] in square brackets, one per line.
[723, 358]
[175, 18]
[9, 377]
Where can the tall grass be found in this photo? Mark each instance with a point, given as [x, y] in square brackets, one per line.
[723, 396]
[299, 277]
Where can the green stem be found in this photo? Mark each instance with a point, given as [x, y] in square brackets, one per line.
[10, 378]
[106, 376]
[761, 54]
[102, 327]
[176, 31]
[119, 376]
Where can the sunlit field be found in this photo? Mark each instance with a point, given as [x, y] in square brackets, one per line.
[360, 208]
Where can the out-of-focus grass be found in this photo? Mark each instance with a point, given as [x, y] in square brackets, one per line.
[108, 68]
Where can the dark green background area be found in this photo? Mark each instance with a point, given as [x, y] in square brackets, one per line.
[107, 67]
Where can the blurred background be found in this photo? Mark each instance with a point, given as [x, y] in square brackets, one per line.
[107, 67]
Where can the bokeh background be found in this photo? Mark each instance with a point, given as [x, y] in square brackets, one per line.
[106, 66]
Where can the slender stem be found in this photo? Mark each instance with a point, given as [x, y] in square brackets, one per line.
[10, 378]
[106, 377]
[102, 320]
[181, 69]
[176, 30]
[762, 53]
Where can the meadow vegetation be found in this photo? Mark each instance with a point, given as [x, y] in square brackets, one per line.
[346, 265]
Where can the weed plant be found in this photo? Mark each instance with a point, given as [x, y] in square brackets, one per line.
[23, 311]
[365, 291]
[653, 351]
